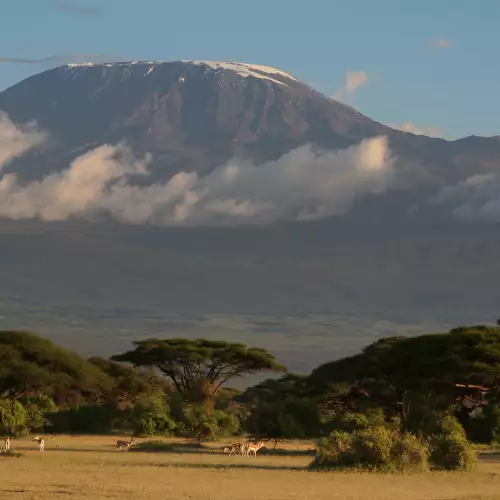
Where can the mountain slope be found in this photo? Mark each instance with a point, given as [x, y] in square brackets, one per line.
[195, 115]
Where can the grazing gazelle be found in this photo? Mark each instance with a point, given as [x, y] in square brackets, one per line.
[7, 443]
[124, 444]
[40, 441]
[253, 448]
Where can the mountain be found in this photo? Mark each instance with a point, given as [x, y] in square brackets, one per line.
[196, 115]
[386, 252]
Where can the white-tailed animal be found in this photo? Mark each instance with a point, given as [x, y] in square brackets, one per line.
[7, 444]
[40, 441]
[234, 448]
[124, 445]
[253, 448]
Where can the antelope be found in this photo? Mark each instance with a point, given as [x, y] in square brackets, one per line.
[253, 448]
[124, 444]
[231, 448]
[236, 448]
[7, 444]
[41, 442]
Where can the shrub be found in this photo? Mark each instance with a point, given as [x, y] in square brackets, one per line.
[373, 448]
[452, 451]
[37, 407]
[229, 423]
[450, 425]
[151, 416]
[13, 417]
[197, 423]
[334, 450]
[409, 452]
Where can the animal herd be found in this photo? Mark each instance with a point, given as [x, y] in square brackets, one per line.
[243, 449]
[38, 439]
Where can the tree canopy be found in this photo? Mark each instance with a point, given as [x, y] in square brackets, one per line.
[444, 364]
[199, 365]
[30, 364]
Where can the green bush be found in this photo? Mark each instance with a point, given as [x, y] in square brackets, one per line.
[372, 448]
[450, 425]
[452, 451]
[13, 418]
[228, 423]
[151, 416]
[334, 450]
[410, 452]
[197, 423]
[37, 408]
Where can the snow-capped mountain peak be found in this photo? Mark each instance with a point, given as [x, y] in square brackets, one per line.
[245, 70]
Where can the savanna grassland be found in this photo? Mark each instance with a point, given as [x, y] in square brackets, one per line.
[90, 468]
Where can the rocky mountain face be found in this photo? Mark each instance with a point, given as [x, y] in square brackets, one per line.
[380, 259]
[197, 115]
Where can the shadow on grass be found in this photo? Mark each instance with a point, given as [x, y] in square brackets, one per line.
[283, 452]
[178, 448]
[250, 466]
[489, 455]
[197, 448]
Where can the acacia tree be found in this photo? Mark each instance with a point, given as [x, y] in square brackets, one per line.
[411, 373]
[199, 368]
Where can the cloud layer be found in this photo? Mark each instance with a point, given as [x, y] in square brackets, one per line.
[56, 59]
[16, 140]
[353, 81]
[475, 199]
[301, 185]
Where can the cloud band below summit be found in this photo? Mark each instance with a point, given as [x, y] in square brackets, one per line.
[303, 184]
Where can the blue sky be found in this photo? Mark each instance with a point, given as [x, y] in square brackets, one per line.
[432, 64]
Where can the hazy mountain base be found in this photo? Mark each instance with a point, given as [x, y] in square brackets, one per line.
[310, 293]
[300, 342]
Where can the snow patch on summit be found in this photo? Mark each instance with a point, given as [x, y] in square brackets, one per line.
[246, 70]
[242, 69]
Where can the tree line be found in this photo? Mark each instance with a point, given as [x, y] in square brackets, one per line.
[413, 399]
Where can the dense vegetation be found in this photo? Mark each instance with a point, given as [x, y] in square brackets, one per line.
[402, 403]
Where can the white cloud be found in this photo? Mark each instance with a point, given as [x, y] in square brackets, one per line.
[428, 130]
[353, 81]
[15, 140]
[475, 199]
[441, 43]
[303, 184]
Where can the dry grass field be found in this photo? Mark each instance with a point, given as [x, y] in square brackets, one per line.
[90, 468]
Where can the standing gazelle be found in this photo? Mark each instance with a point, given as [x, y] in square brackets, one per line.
[124, 444]
[40, 441]
[7, 443]
[253, 448]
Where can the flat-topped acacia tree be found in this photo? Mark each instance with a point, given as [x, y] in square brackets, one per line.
[200, 367]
